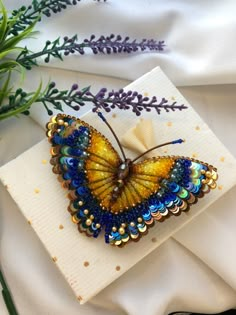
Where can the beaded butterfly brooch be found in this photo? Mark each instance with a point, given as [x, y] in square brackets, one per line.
[116, 195]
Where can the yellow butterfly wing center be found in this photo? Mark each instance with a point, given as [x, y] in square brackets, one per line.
[144, 180]
[101, 168]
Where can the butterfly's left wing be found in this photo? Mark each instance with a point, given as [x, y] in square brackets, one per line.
[86, 164]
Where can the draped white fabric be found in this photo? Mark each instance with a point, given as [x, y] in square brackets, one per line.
[193, 271]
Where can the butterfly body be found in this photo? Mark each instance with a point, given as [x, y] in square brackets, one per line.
[119, 196]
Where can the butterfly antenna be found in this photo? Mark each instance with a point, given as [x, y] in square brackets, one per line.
[113, 132]
[159, 146]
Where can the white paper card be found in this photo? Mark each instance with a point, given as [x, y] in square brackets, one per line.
[88, 264]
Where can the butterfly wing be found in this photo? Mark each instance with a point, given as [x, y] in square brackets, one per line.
[86, 164]
[179, 183]
[159, 187]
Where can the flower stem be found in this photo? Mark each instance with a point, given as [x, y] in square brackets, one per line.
[7, 296]
[105, 45]
[75, 98]
[33, 12]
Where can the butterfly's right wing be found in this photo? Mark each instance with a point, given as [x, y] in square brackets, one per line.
[162, 186]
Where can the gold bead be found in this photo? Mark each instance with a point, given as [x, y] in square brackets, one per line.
[92, 217]
[213, 186]
[80, 203]
[98, 225]
[140, 220]
[204, 181]
[114, 229]
[75, 219]
[86, 211]
[60, 122]
[121, 231]
[123, 225]
[203, 171]
[208, 174]
[66, 124]
[132, 224]
[88, 222]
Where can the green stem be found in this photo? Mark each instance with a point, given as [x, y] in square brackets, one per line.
[7, 296]
[22, 60]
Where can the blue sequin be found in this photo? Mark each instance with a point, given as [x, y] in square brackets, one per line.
[82, 191]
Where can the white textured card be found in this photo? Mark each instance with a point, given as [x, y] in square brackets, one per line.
[88, 264]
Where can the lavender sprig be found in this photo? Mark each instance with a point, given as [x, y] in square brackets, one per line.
[27, 15]
[130, 100]
[76, 98]
[105, 45]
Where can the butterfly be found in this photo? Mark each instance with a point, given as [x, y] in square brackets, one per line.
[120, 196]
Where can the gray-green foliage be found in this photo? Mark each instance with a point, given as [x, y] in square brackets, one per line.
[10, 47]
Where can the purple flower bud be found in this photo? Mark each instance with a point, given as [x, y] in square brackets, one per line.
[74, 87]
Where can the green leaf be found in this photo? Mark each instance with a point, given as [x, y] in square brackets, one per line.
[4, 90]
[4, 53]
[4, 20]
[35, 4]
[23, 107]
[8, 65]
[14, 40]
[56, 42]
[12, 21]
[86, 89]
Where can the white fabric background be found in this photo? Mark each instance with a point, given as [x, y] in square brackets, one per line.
[195, 270]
